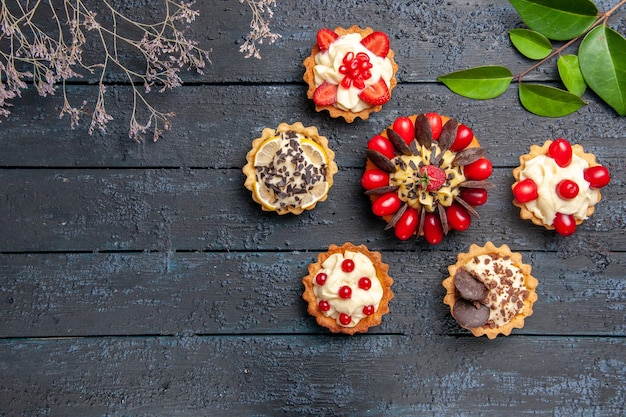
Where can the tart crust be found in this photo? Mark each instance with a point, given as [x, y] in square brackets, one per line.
[308, 132]
[309, 78]
[530, 282]
[381, 273]
[535, 151]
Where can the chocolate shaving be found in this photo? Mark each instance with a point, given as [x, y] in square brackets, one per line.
[467, 206]
[433, 155]
[420, 228]
[444, 218]
[396, 217]
[475, 184]
[380, 160]
[398, 143]
[423, 132]
[382, 190]
[467, 156]
[448, 135]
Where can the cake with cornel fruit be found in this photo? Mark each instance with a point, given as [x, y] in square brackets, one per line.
[290, 169]
[490, 291]
[557, 185]
[425, 175]
[348, 289]
[350, 72]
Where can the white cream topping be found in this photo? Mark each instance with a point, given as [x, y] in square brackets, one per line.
[544, 171]
[337, 278]
[327, 69]
[505, 283]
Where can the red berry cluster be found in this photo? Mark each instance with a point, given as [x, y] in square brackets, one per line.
[345, 291]
[561, 151]
[356, 70]
[411, 221]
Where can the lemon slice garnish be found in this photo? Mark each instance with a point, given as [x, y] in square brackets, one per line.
[314, 151]
[267, 151]
[264, 196]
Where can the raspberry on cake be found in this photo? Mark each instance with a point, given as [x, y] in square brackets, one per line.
[350, 72]
[490, 291]
[557, 185]
[348, 289]
[289, 169]
[425, 175]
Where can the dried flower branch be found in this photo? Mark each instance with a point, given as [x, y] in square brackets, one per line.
[51, 56]
[259, 26]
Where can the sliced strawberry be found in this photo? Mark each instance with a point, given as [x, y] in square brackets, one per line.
[376, 94]
[325, 94]
[325, 37]
[377, 42]
[432, 177]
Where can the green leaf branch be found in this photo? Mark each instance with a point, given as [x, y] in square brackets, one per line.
[600, 62]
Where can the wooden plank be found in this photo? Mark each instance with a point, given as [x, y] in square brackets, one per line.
[429, 39]
[200, 209]
[215, 125]
[129, 294]
[267, 376]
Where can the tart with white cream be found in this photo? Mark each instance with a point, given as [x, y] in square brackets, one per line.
[290, 169]
[490, 291]
[558, 185]
[348, 289]
[350, 72]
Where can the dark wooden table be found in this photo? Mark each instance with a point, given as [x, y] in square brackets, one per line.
[142, 280]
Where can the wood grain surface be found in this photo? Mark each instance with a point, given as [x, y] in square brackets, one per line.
[140, 279]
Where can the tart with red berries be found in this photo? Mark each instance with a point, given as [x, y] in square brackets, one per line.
[557, 185]
[425, 175]
[490, 291]
[290, 169]
[350, 72]
[348, 289]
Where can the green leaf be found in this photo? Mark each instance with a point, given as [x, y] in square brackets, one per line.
[547, 101]
[557, 19]
[531, 44]
[479, 83]
[570, 73]
[602, 56]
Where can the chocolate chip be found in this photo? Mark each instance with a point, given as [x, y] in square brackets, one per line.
[469, 287]
[469, 315]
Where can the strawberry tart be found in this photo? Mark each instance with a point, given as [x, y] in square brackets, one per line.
[425, 175]
[350, 72]
[348, 289]
[557, 185]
